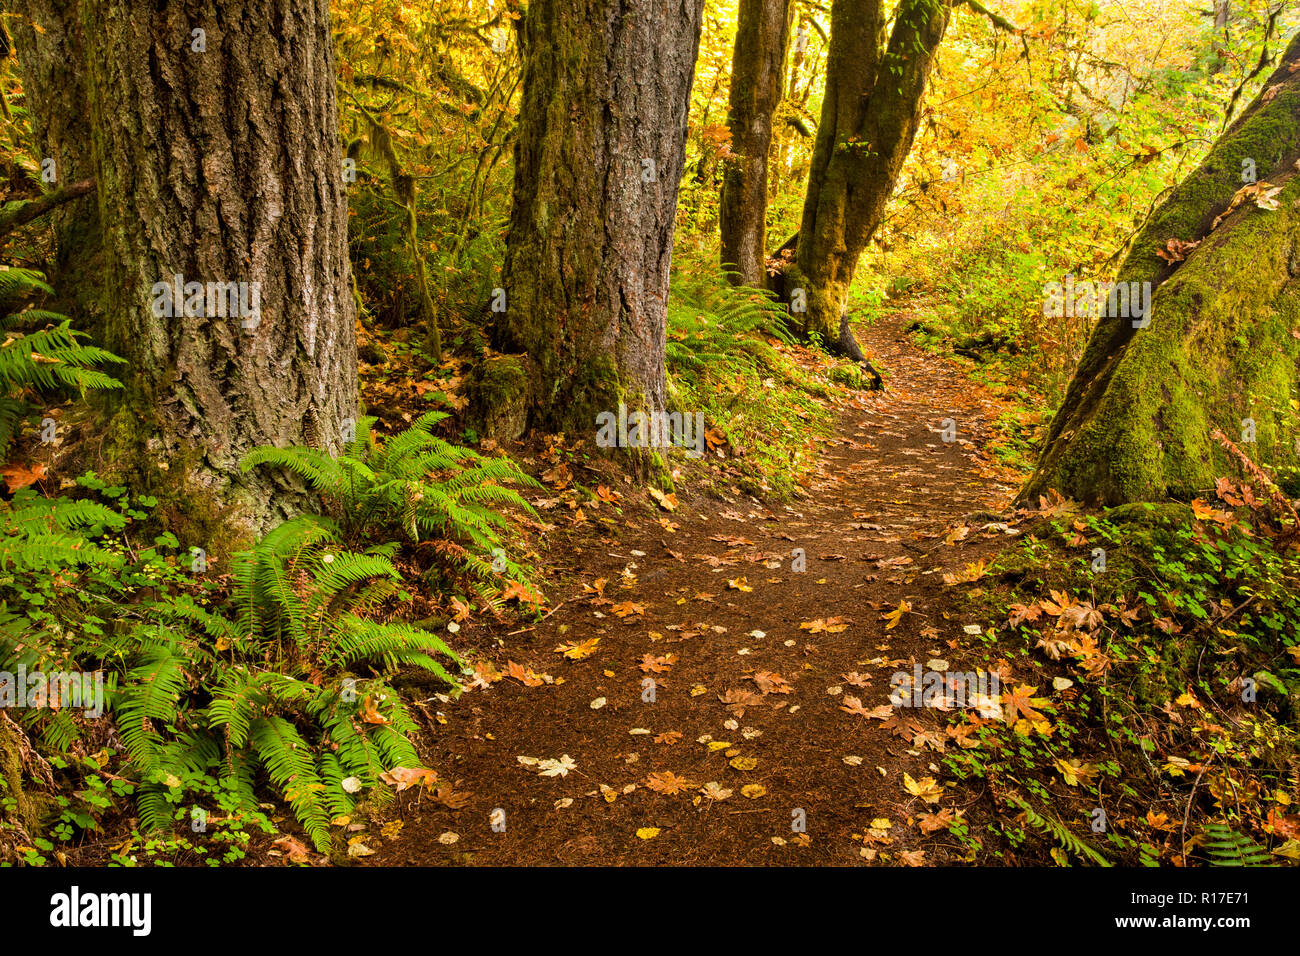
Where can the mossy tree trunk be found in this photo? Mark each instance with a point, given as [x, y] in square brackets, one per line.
[757, 80]
[50, 47]
[870, 113]
[1219, 347]
[597, 164]
[217, 152]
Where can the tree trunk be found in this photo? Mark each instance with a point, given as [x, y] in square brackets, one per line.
[597, 164]
[50, 45]
[756, 84]
[1218, 348]
[870, 112]
[218, 160]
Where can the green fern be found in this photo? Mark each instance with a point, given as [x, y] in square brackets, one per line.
[39, 533]
[1059, 832]
[421, 487]
[40, 352]
[288, 676]
[1227, 847]
[726, 358]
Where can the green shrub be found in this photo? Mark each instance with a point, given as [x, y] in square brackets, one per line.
[288, 676]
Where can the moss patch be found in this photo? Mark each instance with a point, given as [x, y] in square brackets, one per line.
[499, 396]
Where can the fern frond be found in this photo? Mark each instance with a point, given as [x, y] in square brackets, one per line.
[290, 762]
[1228, 847]
[1059, 832]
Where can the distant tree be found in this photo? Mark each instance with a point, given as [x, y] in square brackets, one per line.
[757, 79]
[875, 83]
[602, 131]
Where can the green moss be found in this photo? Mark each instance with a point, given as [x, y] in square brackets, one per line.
[32, 808]
[595, 388]
[196, 510]
[1219, 351]
[499, 396]
[1265, 138]
[824, 300]
[1132, 439]
[850, 375]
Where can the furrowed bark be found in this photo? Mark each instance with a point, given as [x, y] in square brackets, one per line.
[223, 165]
[597, 164]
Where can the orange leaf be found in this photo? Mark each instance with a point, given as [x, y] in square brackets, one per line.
[16, 476]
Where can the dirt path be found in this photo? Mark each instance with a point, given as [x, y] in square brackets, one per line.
[734, 666]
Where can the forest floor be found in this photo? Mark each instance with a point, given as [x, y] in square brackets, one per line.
[770, 738]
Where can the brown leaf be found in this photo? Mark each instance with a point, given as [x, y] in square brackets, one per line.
[293, 848]
[16, 476]
[770, 682]
[370, 711]
[404, 778]
[668, 782]
[657, 665]
[525, 675]
[450, 797]
[853, 705]
[932, 822]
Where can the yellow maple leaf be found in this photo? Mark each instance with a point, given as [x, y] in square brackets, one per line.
[667, 502]
[896, 615]
[927, 788]
[575, 651]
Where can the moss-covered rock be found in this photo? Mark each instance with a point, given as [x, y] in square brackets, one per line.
[850, 375]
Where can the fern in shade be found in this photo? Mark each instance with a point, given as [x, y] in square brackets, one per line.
[1225, 846]
[41, 353]
[39, 533]
[287, 681]
[419, 486]
[1059, 832]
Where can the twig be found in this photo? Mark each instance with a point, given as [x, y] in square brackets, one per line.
[524, 630]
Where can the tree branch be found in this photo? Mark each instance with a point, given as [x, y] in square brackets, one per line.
[13, 215]
[999, 21]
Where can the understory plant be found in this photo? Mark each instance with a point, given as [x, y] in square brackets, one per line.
[726, 357]
[1151, 661]
[420, 487]
[281, 676]
[41, 355]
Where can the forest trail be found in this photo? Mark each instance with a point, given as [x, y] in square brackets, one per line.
[713, 613]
